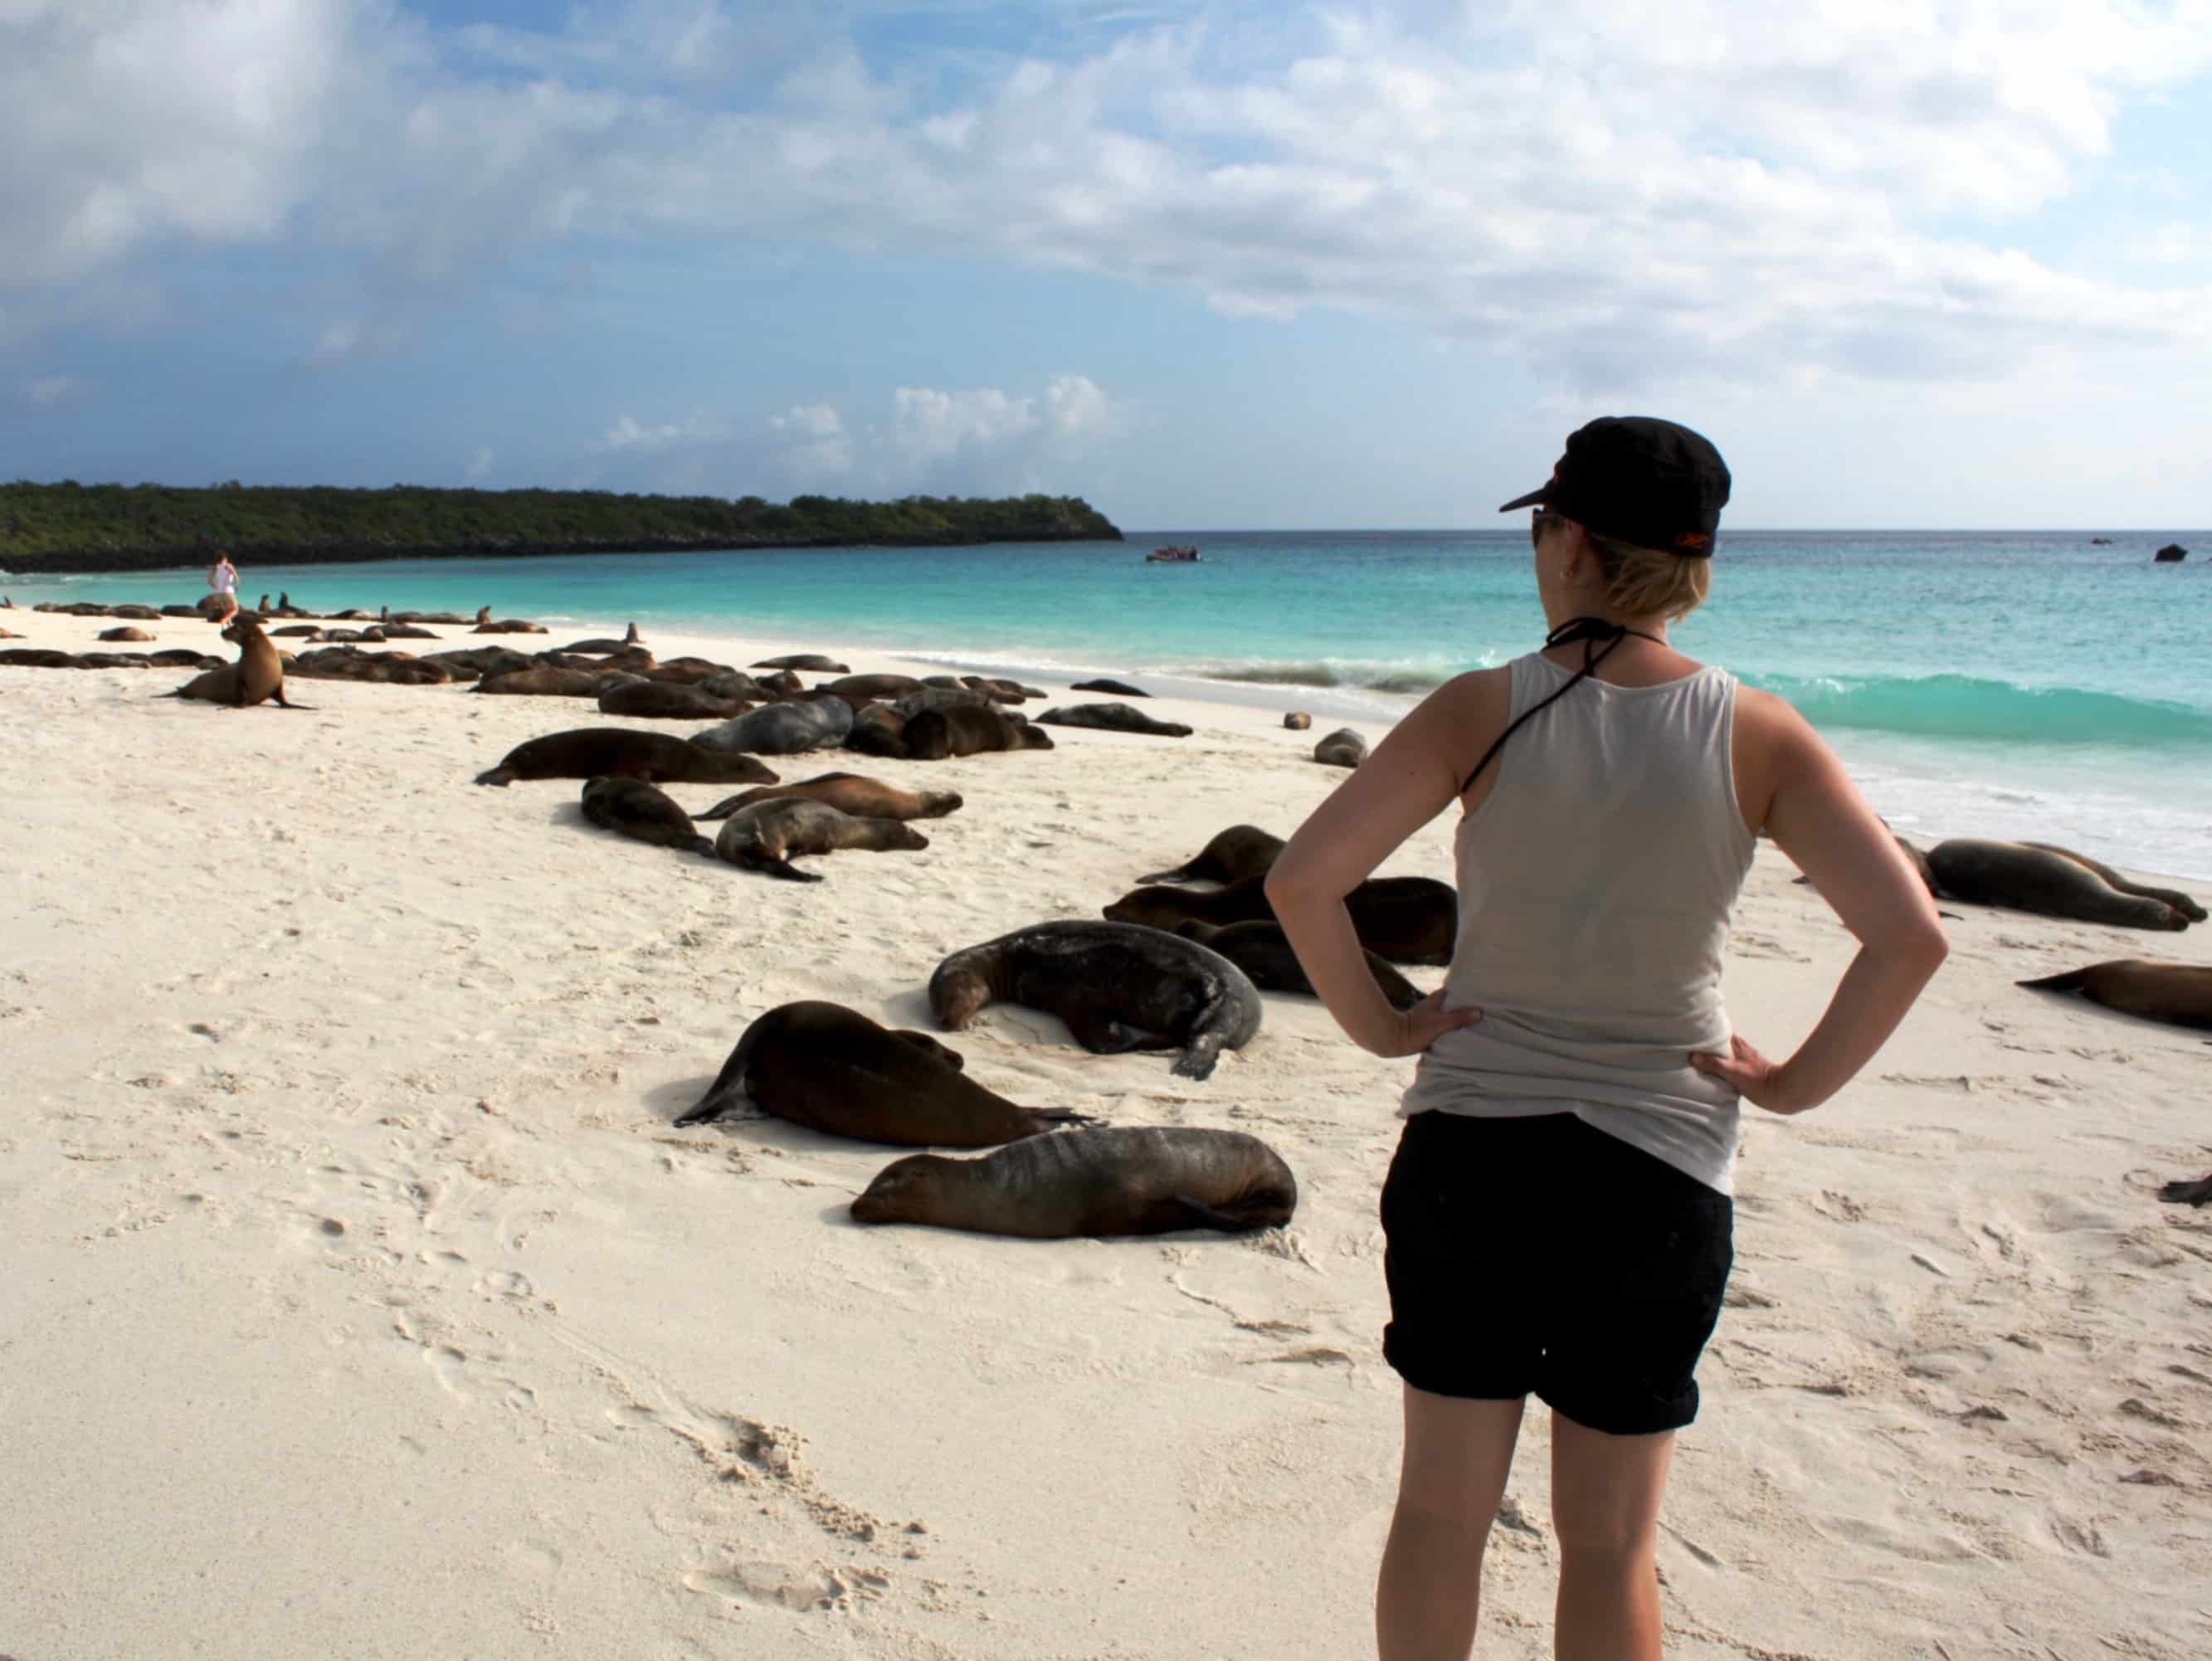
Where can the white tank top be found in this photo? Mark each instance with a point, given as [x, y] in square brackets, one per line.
[1596, 884]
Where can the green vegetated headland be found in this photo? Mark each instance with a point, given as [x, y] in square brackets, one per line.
[69, 527]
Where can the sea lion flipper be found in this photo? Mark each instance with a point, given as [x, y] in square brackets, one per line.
[720, 810]
[704, 845]
[1201, 1216]
[768, 864]
[498, 775]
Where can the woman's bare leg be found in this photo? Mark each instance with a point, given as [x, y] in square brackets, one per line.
[1605, 1507]
[1457, 1455]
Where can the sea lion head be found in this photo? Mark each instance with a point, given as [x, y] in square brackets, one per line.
[957, 995]
[905, 1191]
[1161, 907]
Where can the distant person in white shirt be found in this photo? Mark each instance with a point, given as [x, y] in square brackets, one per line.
[222, 577]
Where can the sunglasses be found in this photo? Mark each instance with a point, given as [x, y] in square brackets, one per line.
[1540, 521]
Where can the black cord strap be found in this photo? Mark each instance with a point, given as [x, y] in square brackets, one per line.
[1589, 631]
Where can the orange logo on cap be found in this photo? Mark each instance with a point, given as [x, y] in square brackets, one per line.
[1692, 539]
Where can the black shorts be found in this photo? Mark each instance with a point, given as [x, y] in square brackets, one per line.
[1539, 1256]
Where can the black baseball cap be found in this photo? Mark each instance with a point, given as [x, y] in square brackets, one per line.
[1641, 480]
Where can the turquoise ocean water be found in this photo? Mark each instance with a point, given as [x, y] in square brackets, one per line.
[2004, 683]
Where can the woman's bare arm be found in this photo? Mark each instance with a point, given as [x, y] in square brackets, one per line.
[1412, 776]
[1818, 819]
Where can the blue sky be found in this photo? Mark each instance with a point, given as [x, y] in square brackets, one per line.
[1207, 265]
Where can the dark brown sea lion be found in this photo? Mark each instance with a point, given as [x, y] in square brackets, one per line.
[296, 631]
[182, 657]
[1002, 691]
[783, 683]
[833, 1069]
[1121, 1180]
[911, 704]
[936, 734]
[661, 700]
[138, 613]
[1114, 718]
[2047, 884]
[382, 668]
[45, 657]
[1240, 851]
[405, 631]
[632, 638]
[1405, 919]
[1262, 951]
[877, 730]
[124, 634]
[472, 662]
[813, 662]
[1297, 721]
[869, 686]
[626, 752]
[2185, 1192]
[633, 808]
[1342, 748]
[116, 660]
[848, 793]
[1117, 986]
[768, 834]
[484, 625]
[1120, 688]
[2177, 992]
[2187, 904]
[542, 681]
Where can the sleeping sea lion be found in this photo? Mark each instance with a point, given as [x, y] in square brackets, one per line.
[1130, 1180]
[2047, 884]
[813, 661]
[1240, 851]
[633, 808]
[1117, 986]
[662, 700]
[627, 753]
[1342, 748]
[542, 680]
[1114, 718]
[2186, 904]
[936, 734]
[848, 793]
[508, 626]
[2198, 1193]
[1405, 919]
[2178, 992]
[124, 634]
[877, 730]
[768, 834]
[869, 686]
[632, 638]
[1262, 951]
[1120, 688]
[833, 1069]
[783, 729]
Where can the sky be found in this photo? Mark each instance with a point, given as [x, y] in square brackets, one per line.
[1908, 263]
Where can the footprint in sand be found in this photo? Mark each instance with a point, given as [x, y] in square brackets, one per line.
[794, 1588]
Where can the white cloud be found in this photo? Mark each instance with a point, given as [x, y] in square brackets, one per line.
[928, 426]
[43, 392]
[817, 450]
[627, 435]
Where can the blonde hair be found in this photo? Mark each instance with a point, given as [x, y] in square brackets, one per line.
[1643, 582]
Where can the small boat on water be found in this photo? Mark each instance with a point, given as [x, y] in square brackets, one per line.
[1172, 554]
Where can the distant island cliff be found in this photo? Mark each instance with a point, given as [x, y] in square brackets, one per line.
[72, 528]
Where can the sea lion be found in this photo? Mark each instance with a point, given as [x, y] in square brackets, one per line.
[2185, 903]
[2185, 1192]
[45, 657]
[138, 613]
[848, 793]
[541, 680]
[735, 685]
[116, 660]
[383, 668]
[911, 704]
[448, 617]
[1405, 919]
[1262, 951]
[258, 674]
[2177, 992]
[1147, 1179]
[484, 625]
[1240, 851]
[1114, 718]
[1001, 691]
[124, 634]
[633, 808]
[877, 730]
[833, 1069]
[662, 700]
[869, 686]
[1117, 986]
[813, 661]
[178, 611]
[405, 631]
[1119, 687]
[936, 734]
[472, 662]
[182, 657]
[296, 631]
[767, 835]
[2032, 879]
[632, 638]
[783, 729]
[1297, 721]
[1342, 748]
[626, 752]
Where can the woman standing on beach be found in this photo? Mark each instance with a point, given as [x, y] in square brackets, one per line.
[1557, 1216]
[222, 577]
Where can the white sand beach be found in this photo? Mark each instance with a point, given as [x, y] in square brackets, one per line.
[360, 1300]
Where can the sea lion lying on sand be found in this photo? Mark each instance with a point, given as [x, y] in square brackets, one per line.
[877, 730]
[626, 752]
[1342, 748]
[936, 734]
[484, 625]
[542, 680]
[2180, 993]
[1114, 718]
[783, 729]
[2046, 883]
[602, 644]
[660, 700]
[633, 808]
[1120, 688]
[1129, 1180]
[1240, 851]
[1118, 987]
[2184, 1193]
[768, 834]
[1405, 919]
[833, 1069]
[848, 793]
[869, 686]
[1262, 951]
[813, 662]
